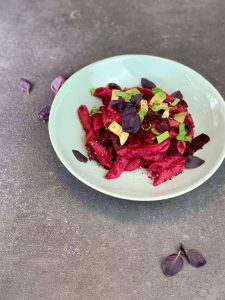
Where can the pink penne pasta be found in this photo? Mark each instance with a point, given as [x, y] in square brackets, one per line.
[165, 174]
[133, 151]
[85, 118]
[117, 168]
[134, 164]
[104, 157]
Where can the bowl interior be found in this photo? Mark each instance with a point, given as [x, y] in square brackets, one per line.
[205, 104]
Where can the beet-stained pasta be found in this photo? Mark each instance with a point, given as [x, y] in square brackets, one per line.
[141, 127]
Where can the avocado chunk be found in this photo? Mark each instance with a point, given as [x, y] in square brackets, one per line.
[114, 95]
[166, 114]
[158, 98]
[116, 128]
[180, 117]
[123, 137]
[143, 109]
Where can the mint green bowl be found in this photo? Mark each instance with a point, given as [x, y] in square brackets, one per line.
[205, 103]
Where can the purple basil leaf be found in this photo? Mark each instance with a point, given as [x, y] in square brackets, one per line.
[193, 162]
[136, 99]
[131, 122]
[119, 104]
[114, 86]
[147, 83]
[128, 108]
[163, 126]
[195, 258]
[79, 156]
[122, 106]
[183, 103]
[57, 83]
[44, 113]
[178, 95]
[172, 264]
[199, 141]
[25, 86]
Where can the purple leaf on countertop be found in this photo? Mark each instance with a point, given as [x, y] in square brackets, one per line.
[79, 156]
[57, 83]
[44, 113]
[172, 264]
[194, 257]
[193, 162]
[147, 83]
[25, 86]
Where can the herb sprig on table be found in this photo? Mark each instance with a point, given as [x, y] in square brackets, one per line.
[173, 263]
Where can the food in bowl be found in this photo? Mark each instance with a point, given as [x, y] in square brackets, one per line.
[141, 127]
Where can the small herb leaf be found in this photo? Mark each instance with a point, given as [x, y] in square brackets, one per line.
[195, 258]
[193, 162]
[43, 114]
[79, 156]
[172, 264]
[114, 86]
[25, 86]
[147, 83]
[177, 94]
[57, 83]
[95, 110]
[131, 122]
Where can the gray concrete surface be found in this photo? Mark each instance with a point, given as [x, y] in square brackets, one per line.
[59, 239]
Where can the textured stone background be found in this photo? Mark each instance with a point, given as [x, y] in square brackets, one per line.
[59, 239]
